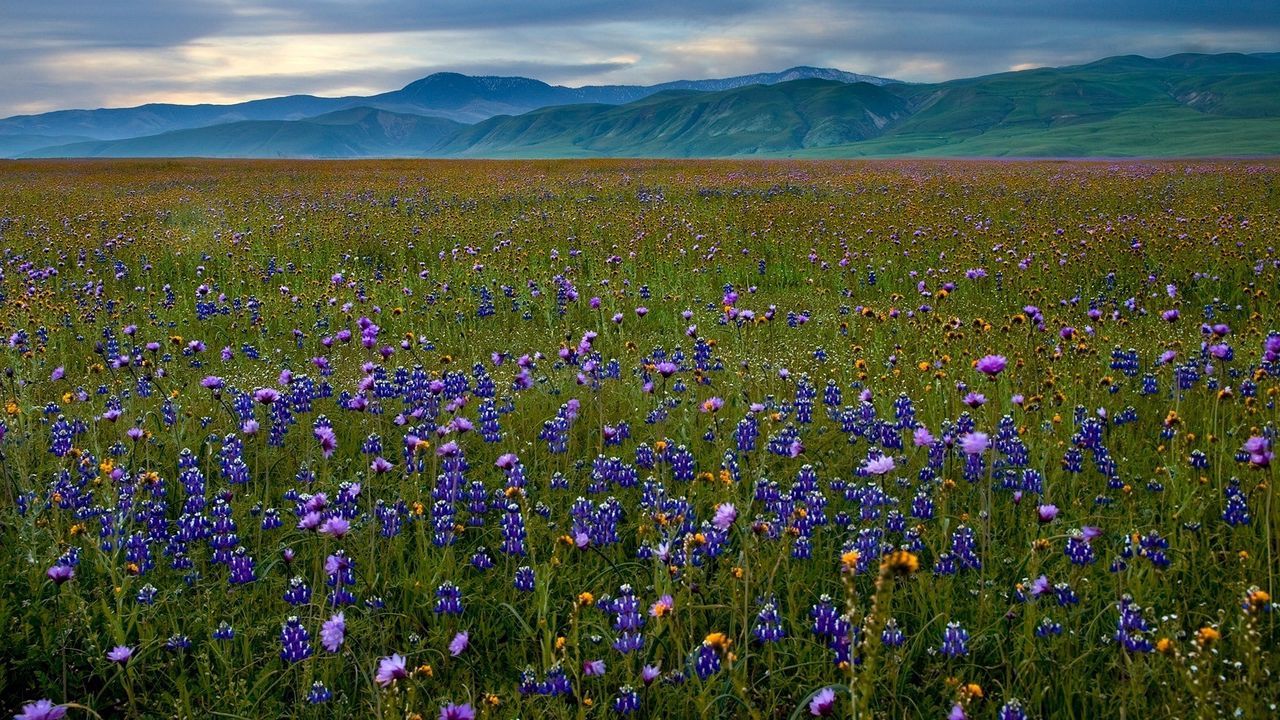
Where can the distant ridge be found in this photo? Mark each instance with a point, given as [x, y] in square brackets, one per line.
[350, 133]
[463, 98]
[1182, 105]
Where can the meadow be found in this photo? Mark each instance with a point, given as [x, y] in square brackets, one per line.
[586, 439]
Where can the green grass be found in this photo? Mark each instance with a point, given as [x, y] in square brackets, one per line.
[260, 242]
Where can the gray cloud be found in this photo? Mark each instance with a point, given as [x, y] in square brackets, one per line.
[146, 23]
[120, 23]
[1199, 13]
[85, 53]
[387, 15]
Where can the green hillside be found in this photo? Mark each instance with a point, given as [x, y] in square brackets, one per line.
[12, 145]
[758, 119]
[358, 132]
[1181, 105]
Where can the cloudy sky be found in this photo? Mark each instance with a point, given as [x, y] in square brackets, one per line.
[96, 53]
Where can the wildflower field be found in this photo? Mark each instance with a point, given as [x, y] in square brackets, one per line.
[661, 439]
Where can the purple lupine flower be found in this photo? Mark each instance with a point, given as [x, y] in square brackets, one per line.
[707, 660]
[955, 640]
[448, 599]
[1012, 710]
[627, 701]
[224, 631]
[319, 694]
[295, 641]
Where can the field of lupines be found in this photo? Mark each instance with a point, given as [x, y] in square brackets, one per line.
[597, 439]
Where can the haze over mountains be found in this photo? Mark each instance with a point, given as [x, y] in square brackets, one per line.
[1121, 106]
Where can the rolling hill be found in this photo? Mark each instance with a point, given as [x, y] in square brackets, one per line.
[758, 119]
[1181, 105]
[356, 132]
[449, 95]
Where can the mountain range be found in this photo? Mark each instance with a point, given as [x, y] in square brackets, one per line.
[449, 95]
[1182, 105]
